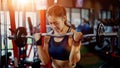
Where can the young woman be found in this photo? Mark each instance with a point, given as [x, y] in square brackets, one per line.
[64, 52]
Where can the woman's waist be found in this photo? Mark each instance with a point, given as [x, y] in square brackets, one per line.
[60, 62]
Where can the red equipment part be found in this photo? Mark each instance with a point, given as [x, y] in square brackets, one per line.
[13, 27]
[43, 29]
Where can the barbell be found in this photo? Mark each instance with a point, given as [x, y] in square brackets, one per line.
[21, 33]
[20, 36]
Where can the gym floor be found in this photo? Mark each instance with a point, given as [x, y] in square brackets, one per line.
[92, 59]
[89, 59]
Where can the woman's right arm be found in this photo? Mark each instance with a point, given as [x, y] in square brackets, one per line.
[43, 50]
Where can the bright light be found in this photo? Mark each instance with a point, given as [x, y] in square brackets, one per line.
[55, 1]
[41, 4]
[22, 2]
[25, 4]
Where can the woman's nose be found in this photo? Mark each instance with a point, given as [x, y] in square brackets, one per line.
[53, 25]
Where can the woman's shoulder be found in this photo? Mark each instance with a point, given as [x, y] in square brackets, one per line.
[74, 31]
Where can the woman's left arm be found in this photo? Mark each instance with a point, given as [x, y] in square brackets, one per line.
[75, 55]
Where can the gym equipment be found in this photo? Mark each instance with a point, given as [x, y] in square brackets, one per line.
[5, 35]
[13, 27]
[3, 58]
[108, 52]
[36, 61]
[20, 41]
[42, 34]
[21, 36]
[30, 26]
[110, 22]
[101, 38]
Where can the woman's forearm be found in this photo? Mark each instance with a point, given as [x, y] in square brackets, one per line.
[43, 55]
[75, 55]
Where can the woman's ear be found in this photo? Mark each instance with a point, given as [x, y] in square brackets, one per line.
[64, 18]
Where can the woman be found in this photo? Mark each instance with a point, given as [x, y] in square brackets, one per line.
[64, 52]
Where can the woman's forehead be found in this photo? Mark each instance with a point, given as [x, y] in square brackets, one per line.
[53, 18]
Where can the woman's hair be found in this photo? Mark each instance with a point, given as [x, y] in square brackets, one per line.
[57, 11]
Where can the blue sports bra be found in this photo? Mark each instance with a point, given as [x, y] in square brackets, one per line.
[58, 50]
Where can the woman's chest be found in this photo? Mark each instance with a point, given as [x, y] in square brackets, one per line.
[59, 50]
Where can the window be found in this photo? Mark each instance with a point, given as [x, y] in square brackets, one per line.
[75, 17]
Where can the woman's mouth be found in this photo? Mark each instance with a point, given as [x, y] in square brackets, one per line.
[57, 29]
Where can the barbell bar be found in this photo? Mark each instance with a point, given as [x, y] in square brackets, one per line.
[101, 34]
[54, 35]
[68, 34]
[21, 36]
[43, 34]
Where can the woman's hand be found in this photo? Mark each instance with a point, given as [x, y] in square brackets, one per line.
[77, 36]
[38, 39]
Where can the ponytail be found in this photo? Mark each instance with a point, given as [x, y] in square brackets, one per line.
[70, 25]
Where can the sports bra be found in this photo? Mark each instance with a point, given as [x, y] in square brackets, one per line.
[58, 50]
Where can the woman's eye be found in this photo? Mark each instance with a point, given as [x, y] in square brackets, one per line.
[50, 23]
[55, 23]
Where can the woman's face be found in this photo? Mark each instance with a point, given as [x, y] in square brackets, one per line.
[56, 23]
